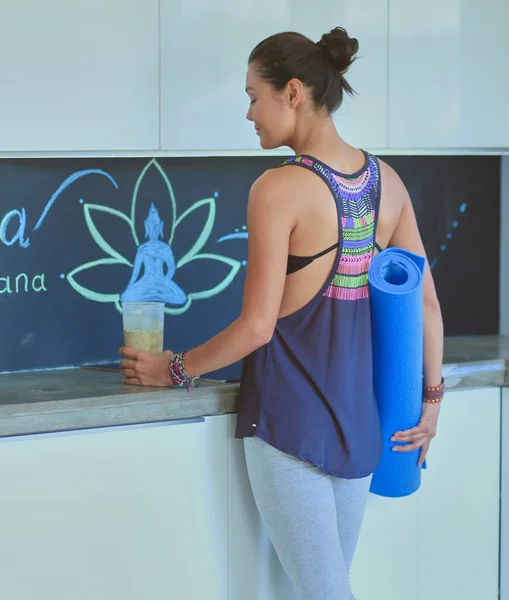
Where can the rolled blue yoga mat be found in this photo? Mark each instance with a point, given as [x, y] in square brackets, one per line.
[395, 282]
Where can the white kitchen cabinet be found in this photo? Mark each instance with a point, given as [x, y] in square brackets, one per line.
[442, 542]
[204, 51]
[459, 500]
[448, 76]
[386, 563]
[79, 75]
[129, 513]
[504, 521]
[254, 570]
[166, 511]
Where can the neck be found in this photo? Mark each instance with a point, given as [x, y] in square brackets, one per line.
[317, 137]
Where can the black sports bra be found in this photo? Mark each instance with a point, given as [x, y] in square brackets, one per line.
[296, 263]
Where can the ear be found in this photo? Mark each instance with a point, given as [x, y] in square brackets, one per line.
[294, 92]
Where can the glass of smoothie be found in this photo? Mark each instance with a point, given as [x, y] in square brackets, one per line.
[144, 325]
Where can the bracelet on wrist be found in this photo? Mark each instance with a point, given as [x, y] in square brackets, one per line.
[433, 394]
[178, 371]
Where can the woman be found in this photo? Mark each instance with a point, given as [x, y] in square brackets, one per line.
[307, 413]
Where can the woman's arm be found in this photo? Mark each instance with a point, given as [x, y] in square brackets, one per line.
[406, 235]
[270, 221]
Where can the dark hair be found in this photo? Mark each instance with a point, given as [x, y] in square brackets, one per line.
[320, 66]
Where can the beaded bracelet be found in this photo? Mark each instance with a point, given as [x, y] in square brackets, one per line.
[178, 371]
[434, 394]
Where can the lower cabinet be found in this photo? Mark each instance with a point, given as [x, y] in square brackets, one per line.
[255, 572]
[459, 503]
[441, 543]
[165, 511]
[386, 563]
[132, 513]
[504, 521]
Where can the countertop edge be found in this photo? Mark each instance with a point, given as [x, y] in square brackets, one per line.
[115, 410]
[152, 406]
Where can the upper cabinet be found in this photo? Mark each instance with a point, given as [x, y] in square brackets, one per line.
[204, 51]
[169, 75]
[79, 76]
[448, 75]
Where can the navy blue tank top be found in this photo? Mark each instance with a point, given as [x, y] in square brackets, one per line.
[309, 391]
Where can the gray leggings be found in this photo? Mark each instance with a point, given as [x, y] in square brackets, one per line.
[313, 519]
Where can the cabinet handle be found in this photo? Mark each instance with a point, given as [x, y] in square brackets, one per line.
[176, 422]
[171, 422]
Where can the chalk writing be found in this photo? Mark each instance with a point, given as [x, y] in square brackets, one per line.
[21, 283]
[20, 233]
[21, 216]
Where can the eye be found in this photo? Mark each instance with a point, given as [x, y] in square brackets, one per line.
[253, 101]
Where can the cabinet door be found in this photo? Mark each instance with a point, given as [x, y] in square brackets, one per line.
[448, 76]
[118, 513]
[504, 530]
[79, 75]
[254, 570]
[386, 562]
[205, 48]
[459, 500]
[385, 566]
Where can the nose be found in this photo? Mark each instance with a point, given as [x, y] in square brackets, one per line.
[248, 114]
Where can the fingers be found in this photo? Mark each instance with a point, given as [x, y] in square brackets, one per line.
[129, 352]
[423, 429]
[132, 381]
[130, 373]
[407, 434]
[408, 431]
[128, 364]
[408, 447]
[422, 454]
[422, 442]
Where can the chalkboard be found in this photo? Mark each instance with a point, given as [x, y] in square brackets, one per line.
[457, 204]
[73, 233]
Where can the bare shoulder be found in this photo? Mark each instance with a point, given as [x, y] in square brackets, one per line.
[393, 188]
[269, 209]
[276, 189]
[394, 192]
[395, 208]
[278, 180]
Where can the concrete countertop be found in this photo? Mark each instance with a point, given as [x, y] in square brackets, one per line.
[83, 398]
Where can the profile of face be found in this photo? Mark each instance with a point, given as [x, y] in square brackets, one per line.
[274, 113]
[291, 79]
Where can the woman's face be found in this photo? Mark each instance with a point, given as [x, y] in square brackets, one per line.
[269, 110]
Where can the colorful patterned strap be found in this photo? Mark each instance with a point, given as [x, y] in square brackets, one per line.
[357, 198]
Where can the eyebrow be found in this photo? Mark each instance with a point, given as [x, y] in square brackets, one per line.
[250, 89]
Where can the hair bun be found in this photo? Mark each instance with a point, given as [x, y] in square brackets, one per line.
[341, 49]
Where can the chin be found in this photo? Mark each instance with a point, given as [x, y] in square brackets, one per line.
[269, 144]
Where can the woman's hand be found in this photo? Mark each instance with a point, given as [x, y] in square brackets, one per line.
[145, 368]
[420, 436]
